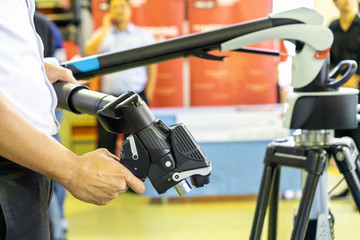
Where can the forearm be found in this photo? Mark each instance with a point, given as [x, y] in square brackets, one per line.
[23, 144]
[92, 46]
[152, 77]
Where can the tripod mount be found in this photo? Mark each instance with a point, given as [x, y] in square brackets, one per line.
[309, 150]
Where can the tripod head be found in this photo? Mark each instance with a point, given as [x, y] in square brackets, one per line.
[317, 101]
[323, 104]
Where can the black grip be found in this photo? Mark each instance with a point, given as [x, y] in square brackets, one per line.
[79, 99]
[346, 68]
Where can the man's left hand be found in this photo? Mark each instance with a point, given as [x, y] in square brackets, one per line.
[57, 73]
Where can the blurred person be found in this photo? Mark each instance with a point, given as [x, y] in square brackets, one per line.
[117, 33]
[29, 156]
[44, 29]
[346, 46]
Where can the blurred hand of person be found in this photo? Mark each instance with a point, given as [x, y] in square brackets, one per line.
[99, 178]
[106, 21]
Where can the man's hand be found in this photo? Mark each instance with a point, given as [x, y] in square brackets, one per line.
[106, 22]
[96, 177]
[99, 178]
[57, 73]
[92, 45]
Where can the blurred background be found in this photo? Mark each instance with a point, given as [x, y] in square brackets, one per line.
[233, 108]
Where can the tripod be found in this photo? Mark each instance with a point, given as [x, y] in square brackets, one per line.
[310, 150]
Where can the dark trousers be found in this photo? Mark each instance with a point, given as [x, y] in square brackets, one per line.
[108, 140]
[2, 225]
[24, 201]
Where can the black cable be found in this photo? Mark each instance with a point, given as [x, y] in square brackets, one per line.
[335, 186]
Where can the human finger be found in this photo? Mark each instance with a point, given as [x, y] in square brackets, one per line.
[109, 154]
[125, 189]
[132, 181]
[83, 82]
[69, 77]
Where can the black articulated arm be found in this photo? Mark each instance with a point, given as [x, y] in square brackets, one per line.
[197, 45]
[191, 45]
[168, 155]
[301, 25]
[164, 155]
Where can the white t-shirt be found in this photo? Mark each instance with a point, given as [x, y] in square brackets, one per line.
[22, 74]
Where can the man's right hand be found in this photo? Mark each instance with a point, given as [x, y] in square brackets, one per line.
[106, 21]
[96, 177]
[99, 178]
[93, 44]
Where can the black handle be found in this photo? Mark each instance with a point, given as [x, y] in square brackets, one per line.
[346, 68]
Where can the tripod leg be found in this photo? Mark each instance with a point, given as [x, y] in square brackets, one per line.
[315, 169]
[306, 201]
[273, 205]
[357, 164]
[348, 168]
[262, 201]
[319, 226]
